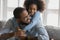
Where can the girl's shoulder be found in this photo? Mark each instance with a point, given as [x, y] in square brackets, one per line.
[38, 13]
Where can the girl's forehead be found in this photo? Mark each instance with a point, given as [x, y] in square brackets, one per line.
[33, 6]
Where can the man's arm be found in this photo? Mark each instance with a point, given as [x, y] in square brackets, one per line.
[6, 36]
[19, 33]
[6, 32]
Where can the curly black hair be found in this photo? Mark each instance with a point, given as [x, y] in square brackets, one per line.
[17, 11]
[40, 4]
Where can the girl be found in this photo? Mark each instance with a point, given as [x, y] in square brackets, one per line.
[34, 8]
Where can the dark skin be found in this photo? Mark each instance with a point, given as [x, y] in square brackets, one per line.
[20, 33]
[24, 18]
[32, 9]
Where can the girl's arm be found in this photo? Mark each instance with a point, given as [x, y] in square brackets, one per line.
[35, 20]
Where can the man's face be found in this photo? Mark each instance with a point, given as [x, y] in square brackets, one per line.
[24, 17]
[32, 9]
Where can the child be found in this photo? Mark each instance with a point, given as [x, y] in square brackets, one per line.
[34, 8]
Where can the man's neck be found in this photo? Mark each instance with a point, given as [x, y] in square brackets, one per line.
[24, 23]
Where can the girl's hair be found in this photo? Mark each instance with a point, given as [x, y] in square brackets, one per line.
[40, 4]
[17, 11]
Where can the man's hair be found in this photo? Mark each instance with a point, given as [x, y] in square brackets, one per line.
[18, 11]
[40, 4]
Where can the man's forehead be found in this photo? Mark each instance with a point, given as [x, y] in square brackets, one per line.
[24, 14]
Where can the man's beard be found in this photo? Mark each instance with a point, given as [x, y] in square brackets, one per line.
[24, 23]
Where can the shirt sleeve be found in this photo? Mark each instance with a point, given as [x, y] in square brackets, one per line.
[7, 27]
[42, 33]
[35, 19]
[14, 22]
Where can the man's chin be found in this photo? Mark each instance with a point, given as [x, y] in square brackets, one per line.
[27, 22]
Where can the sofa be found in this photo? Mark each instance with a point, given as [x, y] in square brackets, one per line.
[53, 32]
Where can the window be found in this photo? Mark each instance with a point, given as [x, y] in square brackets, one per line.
[1, 10]
[21, 2]
[53, 4]
[52, 18]
[7, 7]
[52, 12]
[11, 5]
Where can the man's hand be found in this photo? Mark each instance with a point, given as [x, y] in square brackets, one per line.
[20, 33]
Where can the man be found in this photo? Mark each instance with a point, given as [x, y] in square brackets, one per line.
[10, 30]
[23, 19]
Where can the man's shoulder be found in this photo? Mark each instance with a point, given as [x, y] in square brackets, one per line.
[10, 21]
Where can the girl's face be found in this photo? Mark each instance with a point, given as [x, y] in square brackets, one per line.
[32, 9]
